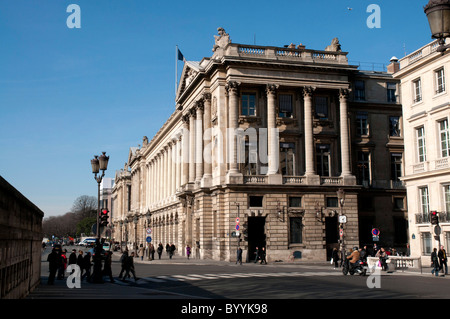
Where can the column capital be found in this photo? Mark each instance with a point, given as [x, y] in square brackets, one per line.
[344, 93]
[185, 118]
[272, 88]
[192, 112]
[308, 91]
[232, 87]
[199, 106]
[207, 96]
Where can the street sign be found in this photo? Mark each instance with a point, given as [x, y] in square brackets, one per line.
[149, 239]
[237, 220]
[237, 227]
[375, 232]
[149, 231]
[342, 219]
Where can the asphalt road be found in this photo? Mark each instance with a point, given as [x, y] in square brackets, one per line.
[180, 278]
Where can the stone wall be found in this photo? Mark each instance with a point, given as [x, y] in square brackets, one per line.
[20, 243]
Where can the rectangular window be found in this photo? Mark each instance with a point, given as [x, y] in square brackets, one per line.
[391, 90]
[364, 168]
[285, 105]
[321, 107]
[394, 126]
[399, 203]
[421, 148]
[256, 201]
[295, 202]
[360, 91]
[396, 166]
[295, 230]
[332, 202]
[440, 81]
[287, 158]
[424, 201]
[323, 159]
[417, 86]
[426, 243]
[445, 138]
[362, 124]
[248, 104]
[447, 198]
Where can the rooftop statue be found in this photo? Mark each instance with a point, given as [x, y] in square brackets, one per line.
[334, 46]
[222, 39]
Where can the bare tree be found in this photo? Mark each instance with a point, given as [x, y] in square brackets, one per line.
[84, 206]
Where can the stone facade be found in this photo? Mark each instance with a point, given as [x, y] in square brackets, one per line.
[268, 135]
[20, 243]
[426, 110]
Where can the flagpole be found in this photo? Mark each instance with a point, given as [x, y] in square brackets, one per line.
[176, 70]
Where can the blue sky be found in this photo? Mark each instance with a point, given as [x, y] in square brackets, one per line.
[69, 94]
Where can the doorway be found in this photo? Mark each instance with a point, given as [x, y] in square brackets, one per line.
[256, 236]
[331, 234]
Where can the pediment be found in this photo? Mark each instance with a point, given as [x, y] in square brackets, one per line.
[191, 70]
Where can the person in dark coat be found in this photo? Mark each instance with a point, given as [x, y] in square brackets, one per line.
[335, 256]
[123, 262]
[442, 255]
[54, 260]
[262, 255]
[107, 270]
[435, 262]
[129, 267]
[172, 249]
[239, 256]
[160, 250]
[87, 267]
[256, 255]
[73, 257]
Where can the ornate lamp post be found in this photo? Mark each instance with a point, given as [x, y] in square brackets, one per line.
[98, 163]
[342, 220]
[438, 14]
[135, 221]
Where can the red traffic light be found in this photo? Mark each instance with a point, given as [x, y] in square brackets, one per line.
[105, 211]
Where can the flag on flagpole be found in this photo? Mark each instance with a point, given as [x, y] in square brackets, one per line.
[180, 55]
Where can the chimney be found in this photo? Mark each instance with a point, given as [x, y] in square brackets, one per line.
[394, 66]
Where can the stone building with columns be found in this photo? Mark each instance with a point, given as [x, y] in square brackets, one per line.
[266, 136]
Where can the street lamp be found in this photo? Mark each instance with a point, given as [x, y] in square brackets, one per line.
[135, 221]
[438, 14]
[98, 163]
[342, 219]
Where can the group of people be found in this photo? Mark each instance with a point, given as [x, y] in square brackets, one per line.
[170, 250]
[58, 264]
[439, 261]
[356, 254]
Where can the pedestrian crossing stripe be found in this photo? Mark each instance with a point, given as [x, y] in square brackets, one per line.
[195, 277]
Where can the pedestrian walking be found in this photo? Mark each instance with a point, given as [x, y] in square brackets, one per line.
[73, 257]
[263, 256]
[442, 255]
[160, 250]
[435, 263]
[123, 262]
[335, 257]
[129, 267]
[141, 252]
[54, 261]
[107, 270]
[239, 256]
[256, 255]
[381, 254]
[167, 249]
[87, 264]
[188, 251]
[63, 265]
[80, 259]
[152, 251]
[172, 249]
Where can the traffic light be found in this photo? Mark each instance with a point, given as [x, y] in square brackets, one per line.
[434, 218]
[104, 217]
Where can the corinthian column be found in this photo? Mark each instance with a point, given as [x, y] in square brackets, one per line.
[192, 146]
[199, 143]
[310, 171]
[207, 156]
[233, 175]
[273, 138]
[185, 150]
[345, 145]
